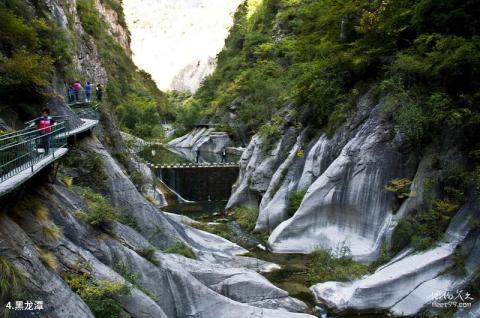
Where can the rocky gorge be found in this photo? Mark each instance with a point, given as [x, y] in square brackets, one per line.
[357, 191]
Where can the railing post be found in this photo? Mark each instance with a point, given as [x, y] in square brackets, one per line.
[32, 163]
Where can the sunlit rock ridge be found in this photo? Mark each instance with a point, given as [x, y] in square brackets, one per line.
[175, 41]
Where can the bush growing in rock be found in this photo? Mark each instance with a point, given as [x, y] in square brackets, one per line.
[51, 231]
[100, 212]
[246, 217]
[400, 187]
[11, 280]
[47, 258]
[181, 249]
[294, 200]
[325, 267]
[98, 295]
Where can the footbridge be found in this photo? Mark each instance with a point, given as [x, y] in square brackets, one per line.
[25, 152]
[204, 165]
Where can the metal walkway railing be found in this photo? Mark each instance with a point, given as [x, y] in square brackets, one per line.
[22, 150]
[72, 121]
[82, 98]
[194, 165]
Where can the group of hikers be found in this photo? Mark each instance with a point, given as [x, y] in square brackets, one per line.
[74, 90]
[224, 155]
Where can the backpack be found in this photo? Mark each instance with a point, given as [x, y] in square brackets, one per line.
[45, 126]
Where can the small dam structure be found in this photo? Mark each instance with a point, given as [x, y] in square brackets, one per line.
[200, 183]
[209, 179]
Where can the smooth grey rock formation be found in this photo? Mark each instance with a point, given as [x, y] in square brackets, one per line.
[404, 286]
[348, 205]
[274, 205]
[204, 139]
[177, 286]
[160, 230]
[59, 300]
[257, 167]
[239, 284]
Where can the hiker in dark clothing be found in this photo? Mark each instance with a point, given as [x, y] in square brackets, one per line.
[224, 155]
[44, 125]
[71, 94]
[99, 92]
[197, 155]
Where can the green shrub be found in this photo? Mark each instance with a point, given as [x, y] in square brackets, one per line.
[84, 162]
[425, 228]
[459, 260]
[99, 295]
[181, 249]
[294, 200]
[100, 212]
[128, 220]
[39, 210]
[325, 267]
[384, 257]
[270, 133]
[400, 187]
[25, 69]
[246, 217]
[89, 17]
[67, 181]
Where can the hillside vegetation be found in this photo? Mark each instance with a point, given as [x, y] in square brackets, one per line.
[422, 56]
[35, 51]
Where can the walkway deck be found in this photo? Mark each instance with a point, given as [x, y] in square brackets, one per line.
[87, 124]
[15, 181]
[194, 165]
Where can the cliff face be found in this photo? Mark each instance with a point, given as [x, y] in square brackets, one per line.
[83, 239]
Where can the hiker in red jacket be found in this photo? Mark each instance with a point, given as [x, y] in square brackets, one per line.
[44, 125]
[77, 87]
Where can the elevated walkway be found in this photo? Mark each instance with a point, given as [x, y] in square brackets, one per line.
[26, 152]
[195, 165]
[29, 170]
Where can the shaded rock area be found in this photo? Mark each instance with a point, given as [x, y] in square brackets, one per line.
[204, 139]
